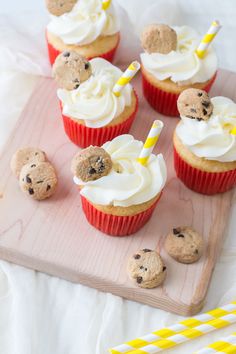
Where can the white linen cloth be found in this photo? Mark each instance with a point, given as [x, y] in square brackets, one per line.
[40, 314]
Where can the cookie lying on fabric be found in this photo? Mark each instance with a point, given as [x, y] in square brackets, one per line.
[146, 268]
[184, 244]
[26, 155]
[38, 180]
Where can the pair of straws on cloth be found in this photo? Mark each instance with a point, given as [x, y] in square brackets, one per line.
[184, 331]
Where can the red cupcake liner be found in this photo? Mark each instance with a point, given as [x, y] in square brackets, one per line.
[84, 136]
[201, 181]
[53, 53]
[116, 225]
[162, 101]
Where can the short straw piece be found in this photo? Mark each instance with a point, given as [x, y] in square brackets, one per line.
[150, 142]
[185, 326]
[106, 4]
[126, 77]
[207, 39]
[225, 345]
[233, 131]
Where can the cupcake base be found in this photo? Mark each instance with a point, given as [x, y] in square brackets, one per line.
[165, 102]
[201, 181]
[116, 225]
[84, 136]
[53, 52]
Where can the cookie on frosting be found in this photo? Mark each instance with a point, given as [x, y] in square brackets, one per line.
[91, 163]
[70, 70]
[146, 268]
[184, 244]
[159, 38]
[38, 180]
[26, 155]
[195, 104]
[60, 7]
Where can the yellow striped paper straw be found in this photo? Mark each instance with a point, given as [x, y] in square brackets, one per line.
[225, 345]
[207, 39]
[184, 329]
[126, 77]
[150, 142]
[106, 4]
[233, 131]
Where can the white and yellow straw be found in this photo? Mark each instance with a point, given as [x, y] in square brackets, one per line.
[106, 4]
[207, 39]
[150, 142]
[179, 333]
[225, 345]
[126, 77]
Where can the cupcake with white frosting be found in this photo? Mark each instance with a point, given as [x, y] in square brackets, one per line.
[170, 65]
[205, 142]
[118, 193]
[84, 26]
[92, 113]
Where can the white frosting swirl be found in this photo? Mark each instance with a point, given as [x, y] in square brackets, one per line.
[182, 66]
[85, 23]
[135, 184]
[211, 139]
[93, 101]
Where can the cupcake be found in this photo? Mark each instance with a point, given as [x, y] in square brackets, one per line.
[92, 113]
[204, 143]
[84, 27]
[170, 65]
[118, 193]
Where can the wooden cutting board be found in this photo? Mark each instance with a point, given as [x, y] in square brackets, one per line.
[53, 236]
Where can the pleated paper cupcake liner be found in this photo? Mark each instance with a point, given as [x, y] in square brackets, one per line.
[84, 136]
[162, 101]
[116, 225]
[201, 181]
[53, 53]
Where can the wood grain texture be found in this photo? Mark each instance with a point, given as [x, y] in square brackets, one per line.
[53, 236]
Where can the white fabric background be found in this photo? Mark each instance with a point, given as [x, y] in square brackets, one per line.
[45, 315]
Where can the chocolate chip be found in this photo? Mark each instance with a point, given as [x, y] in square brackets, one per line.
[141, 267]
[76, 80]
[33, 166]
[196, 251]
[206, 104]
[204, 111]
[199, 119]
[28, 179]
[86, 66]
[92, 171]
[145, 269]
[31, 191]
[146, 250]
[164, 268]
[76, 86]
[191, 117]
[139, 280]
[36, 153]
[180, 235]
[66, 54]
[137, 256]
[199, 94]
[176, 231]
[39, 182]
[48, 187]
[193, 110]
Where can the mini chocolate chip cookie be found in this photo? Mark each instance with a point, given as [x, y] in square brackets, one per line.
[184, 244]
[38, 180]
[91, 163]
[26, 155]
[195, 104]
[146, 268]
[60, 7]
[70, 70]
[159, 39]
